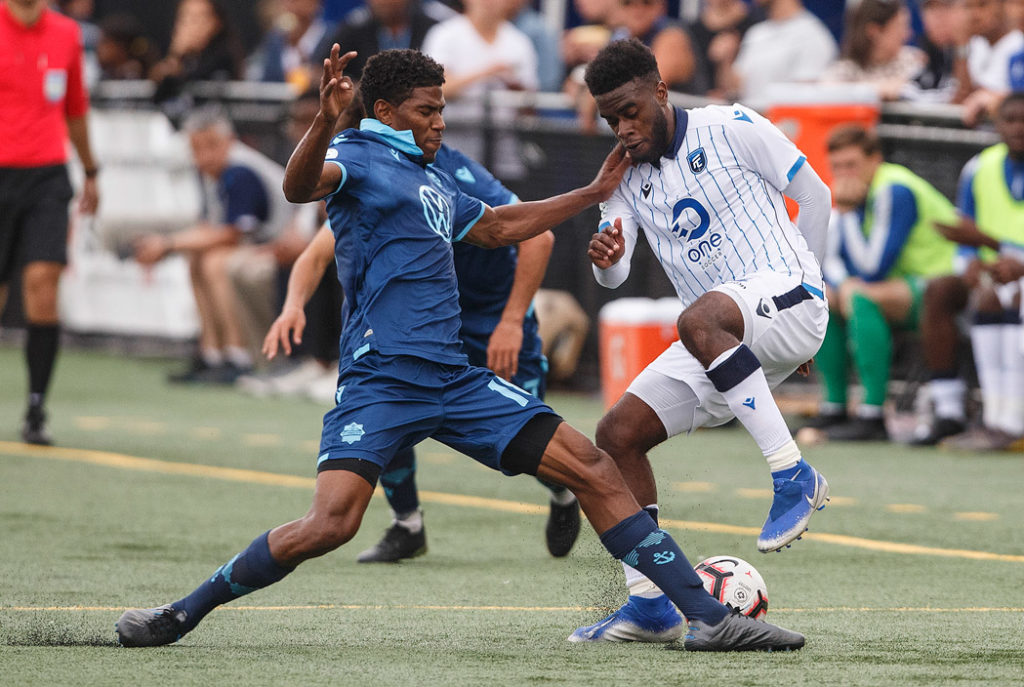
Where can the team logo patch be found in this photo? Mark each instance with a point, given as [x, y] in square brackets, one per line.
[55, 85]
[394, 154]
[645, 190]
[763, 310]
[698, 161]
[331, 154]
[690, 220]
[352, 433]
[741, 116]
[465, 176]
[437, 212]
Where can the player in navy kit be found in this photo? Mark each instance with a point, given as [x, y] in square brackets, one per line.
[404, 376]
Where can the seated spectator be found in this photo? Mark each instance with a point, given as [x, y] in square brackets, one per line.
[716, 35]
[648, 21]
[875, 49]
[991, 228]
[945, 27]
[790, 45]
[124, 51]
[480, 50]
[236, 210]
[381, 25]
[296, 41]
[992, 46]
[550, 70]
[203, 48]
[884, 248]
[581, 44]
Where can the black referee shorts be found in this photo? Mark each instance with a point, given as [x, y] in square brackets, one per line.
[33, 216]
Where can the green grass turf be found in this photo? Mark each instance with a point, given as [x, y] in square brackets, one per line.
[77, 535]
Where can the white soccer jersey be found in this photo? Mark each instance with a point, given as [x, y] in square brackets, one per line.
[712, 209]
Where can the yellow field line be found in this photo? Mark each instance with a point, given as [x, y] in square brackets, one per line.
[117, 460]
[553, 609]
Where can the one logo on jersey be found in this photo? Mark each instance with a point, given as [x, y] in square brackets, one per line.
[645, 190]
[331, 154]
[690, 220]
[352, 433]
[740, 115]
[465, 176]
[763, 310]
[437, 212]
[394, 154]
[698, 161]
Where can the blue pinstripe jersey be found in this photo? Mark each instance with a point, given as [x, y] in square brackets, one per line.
[712, 208]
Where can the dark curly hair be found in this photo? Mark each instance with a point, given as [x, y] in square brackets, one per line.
[393, 74]
[618, 63]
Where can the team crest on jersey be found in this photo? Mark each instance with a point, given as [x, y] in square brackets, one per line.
[352, 433]
[437, 212]
[698, 161]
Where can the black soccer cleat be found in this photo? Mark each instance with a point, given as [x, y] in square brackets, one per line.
[149, 626]
[397, 543]
[824, 420]
[942, 427]
[859, 429]
[562, 528]
[737, 632]
[33, 430]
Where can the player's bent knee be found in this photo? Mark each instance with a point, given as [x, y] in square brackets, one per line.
[524, 452]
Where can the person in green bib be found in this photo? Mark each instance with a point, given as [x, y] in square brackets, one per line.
[884, 249]
[991, 235]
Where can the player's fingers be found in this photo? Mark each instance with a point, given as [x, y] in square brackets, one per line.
[346, 58]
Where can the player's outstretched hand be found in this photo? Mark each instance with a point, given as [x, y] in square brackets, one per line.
[610, 174]
[336, 89]
[287, 329]
[966, 233]
[607, 246]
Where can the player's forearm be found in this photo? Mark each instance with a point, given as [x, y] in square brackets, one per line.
[203, 237]
[302, 175]
[522, 221]
[534, 255]
[78, 132]
[613, 276]
[308, 269]
[815, 201]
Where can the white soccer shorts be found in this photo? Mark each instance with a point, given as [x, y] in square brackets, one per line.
[783, 327]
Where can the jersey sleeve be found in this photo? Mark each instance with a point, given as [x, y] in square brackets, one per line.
[965, 188]
[893, 216]
[246, 204]
[467, 212]
[345, 154]
[76, 100]
[764, 148]
[618, 207]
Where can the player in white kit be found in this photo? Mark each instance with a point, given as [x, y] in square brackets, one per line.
[707, 189]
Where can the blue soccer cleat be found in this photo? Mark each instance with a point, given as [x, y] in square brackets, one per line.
[796, 498]
[638, 620]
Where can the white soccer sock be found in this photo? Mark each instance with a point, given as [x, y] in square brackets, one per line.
[986, 339]
[948, 397]
[238, 356]
[738, 376]
[562, 498]
[869, 412]
[212, 356]
[1012, 408]
[411, 521]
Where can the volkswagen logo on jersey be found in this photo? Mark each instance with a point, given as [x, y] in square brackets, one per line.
[437, 212]
[698, 161]
[690, 220]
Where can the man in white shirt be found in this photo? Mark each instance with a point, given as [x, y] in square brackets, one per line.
[993, 44]
[707, 188]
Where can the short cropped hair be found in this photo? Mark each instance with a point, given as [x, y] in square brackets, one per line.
[207, 118]
[854, 135]
[393, 74]
[619, 63]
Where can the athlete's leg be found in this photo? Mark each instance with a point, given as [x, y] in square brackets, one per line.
[944, 299]
[39, 295]
[210, 340]
[406, 536]
[216, 275]
[339, 502]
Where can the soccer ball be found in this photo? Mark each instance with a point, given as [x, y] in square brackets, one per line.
[735, 583]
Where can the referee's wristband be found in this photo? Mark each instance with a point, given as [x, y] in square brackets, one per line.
[91, 172]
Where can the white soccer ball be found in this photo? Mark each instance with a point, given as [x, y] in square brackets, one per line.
[735, 583]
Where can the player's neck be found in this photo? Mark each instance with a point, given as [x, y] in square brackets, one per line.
[485, 21]
[782, 10]
[26, 14]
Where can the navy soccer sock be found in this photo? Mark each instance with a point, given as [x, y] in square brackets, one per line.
[41, 346]
[638, 542]
[399, 482]
[250, 570]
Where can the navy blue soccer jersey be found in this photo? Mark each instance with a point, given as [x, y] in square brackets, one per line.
[394, 218]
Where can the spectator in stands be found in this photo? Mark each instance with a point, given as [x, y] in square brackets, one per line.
[945, 26]
[875, 49]
[124, 50]
[790, 45]
[581, 44]
[40, 111]
[716, 35]
[236, 209]
[648, 21]
[381, 25]
[550, 70]
[203, 48]
[82, 12]
[884, 247]
[481, 50]
[993, 43]
[991, 228]
[293, 46]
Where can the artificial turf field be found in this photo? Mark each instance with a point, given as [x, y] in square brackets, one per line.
[913, 576]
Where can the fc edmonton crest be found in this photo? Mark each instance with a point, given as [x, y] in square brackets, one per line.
[698, 161]
[437, 212]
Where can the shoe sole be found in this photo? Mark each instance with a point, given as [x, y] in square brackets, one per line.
[819, 501]
[415, 554]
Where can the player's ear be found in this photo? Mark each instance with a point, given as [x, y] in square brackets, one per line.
[661, 92]
[383, 112]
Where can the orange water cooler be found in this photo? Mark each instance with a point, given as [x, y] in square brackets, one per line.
[633, 332]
